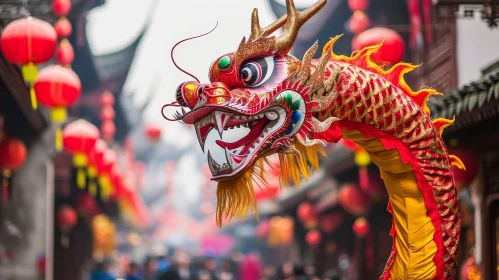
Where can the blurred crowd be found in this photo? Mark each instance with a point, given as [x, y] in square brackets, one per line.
[182, 266]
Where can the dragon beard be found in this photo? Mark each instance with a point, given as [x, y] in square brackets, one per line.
[236, 197]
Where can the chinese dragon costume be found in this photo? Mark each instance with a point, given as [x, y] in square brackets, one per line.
[291, 107]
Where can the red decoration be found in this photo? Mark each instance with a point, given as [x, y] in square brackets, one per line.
[108, 130]
[66, 218]
[313, 238]
[353, 200]
[359, 22]
[107, 114]
[153, 133]
[28, 40]
[57, 88]
[65, 53]
[107, 99]
[392, 51]
[87, 206]
[12, 156]
[358, 5]
[351, 145]
[63, 28]
[361, 227]
[79, 138]
[97, 155]
[375, 188]
[464, 177]
[61, 7]
[330, 222]
[306, 212]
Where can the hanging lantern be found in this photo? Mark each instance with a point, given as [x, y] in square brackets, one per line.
[358, 5]
[27, 42]
[65, 53]
[313, 238]
[57, 88]
[153, 133]
[61, 7]
[12, 156]
[79, 138]
[353, 200]
[361, 227]
[86, 206]
[66, 221]
[107, 99]
[464, 177]
[359, 22]
[108, 130]
[392, 51]
[307, 214]
[63, 28]
[330, 222]
[107, 114]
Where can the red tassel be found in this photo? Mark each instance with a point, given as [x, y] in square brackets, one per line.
[363, 177]
[5, 189]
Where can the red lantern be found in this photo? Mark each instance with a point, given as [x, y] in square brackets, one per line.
[358, 5]
[79, 138]
[313, 238]
[26, 42]
[66, 220]
[108, 130]
[390, 53]
[361, 227]
[329, 223]
[12, 156]
[359, 22]
[306, 212]
[63, 28]
[464, 177]
[61, 7]
[57, 88]
[353, 200]
[107, 114]
[153, 133]
[107, 99]
[86, 206]
[65, 53]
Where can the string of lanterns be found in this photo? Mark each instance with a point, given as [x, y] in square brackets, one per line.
[29, 42]
[359, 21]
[107, 115]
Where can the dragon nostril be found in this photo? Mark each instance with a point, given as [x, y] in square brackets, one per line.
[187, 94]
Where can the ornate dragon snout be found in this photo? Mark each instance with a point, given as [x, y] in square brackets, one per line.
[190, 93]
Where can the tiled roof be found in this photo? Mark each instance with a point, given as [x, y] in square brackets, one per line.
[473, 103]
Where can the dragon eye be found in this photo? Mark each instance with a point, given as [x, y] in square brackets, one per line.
[256, 72]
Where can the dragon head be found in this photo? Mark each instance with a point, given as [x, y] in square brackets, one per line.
[256, 104]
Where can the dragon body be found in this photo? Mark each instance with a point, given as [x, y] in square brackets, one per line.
[279, 104]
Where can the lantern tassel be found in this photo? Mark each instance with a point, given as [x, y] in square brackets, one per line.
[58, 139]
[92, 188]
[65, 241]
[5, 189]
[363, 177]
[34, 103]
[80, 178]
